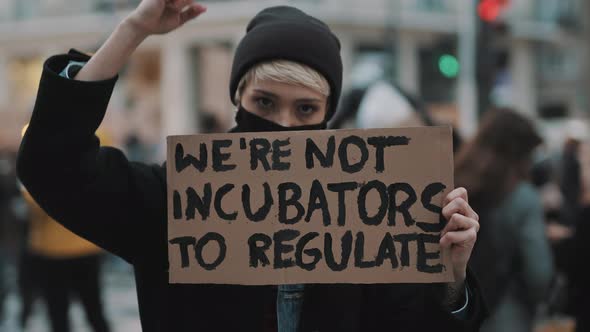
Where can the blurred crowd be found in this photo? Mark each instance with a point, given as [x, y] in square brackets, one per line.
[534, 207]
[533, 202]
[41, 261]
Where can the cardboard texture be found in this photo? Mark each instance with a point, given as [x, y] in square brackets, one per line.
[387, 234]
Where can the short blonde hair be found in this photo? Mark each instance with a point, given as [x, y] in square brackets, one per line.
[284, 71]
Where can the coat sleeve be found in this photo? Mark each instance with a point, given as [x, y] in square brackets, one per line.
[470, 320]
[94, 191]
[388, 307]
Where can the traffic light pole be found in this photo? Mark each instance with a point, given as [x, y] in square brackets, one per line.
[467, 94]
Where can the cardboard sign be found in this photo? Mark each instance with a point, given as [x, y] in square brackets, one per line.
[328, 206]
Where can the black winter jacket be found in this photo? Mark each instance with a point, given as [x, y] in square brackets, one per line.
[121, 206]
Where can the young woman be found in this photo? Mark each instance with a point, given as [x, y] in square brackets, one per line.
[286, 75]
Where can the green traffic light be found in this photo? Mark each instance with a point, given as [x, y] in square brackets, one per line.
[448, 65]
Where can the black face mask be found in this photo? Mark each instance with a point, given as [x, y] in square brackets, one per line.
[249, 122]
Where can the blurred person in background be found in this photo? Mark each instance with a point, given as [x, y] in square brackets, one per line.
[12, 219]
[27, 278]
[209, 123]
[512, 258]
[5, 198]
[63, 265]
[570, 176]
[361, 106]
[286, 75]
[578, 250]
[565, 195]
[579, 273]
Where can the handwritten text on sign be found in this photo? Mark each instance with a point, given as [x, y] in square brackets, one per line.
[346, 206]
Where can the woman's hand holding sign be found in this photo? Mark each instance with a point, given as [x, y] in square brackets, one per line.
[460, 233]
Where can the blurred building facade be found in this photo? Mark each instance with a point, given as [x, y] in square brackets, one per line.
[536, 55]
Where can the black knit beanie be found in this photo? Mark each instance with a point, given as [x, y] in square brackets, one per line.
[287, 33]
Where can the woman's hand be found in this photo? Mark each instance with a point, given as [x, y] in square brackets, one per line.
[460, 232]
[162, 16]
[150, 17]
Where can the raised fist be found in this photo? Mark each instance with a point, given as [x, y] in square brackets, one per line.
[162, 16]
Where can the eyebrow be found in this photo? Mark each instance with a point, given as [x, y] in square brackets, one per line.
[266, 93]
[272, 95]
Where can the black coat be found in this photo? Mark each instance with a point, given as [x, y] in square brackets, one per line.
[121, 206]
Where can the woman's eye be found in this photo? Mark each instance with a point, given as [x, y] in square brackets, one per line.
[264, 103]
[307, 109]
